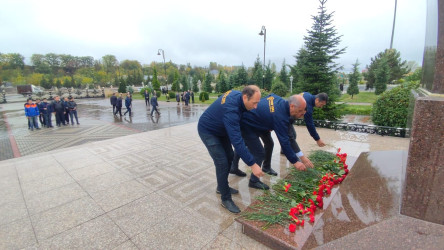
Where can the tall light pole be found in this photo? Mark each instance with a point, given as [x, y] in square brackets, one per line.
[263, 33]
[164, 66]
[291, 84]
[393, 28]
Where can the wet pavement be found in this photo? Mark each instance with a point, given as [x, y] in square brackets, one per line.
[107, 184]
[96, 123]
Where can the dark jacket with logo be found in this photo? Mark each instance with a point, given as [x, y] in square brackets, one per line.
[222, 119]
[119, 102]
[72, 105]
[272, 113]
[58, 106]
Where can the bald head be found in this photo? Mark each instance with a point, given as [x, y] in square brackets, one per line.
[251, 96]
[297, 106]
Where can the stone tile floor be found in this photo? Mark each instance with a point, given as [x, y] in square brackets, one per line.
[133, 189]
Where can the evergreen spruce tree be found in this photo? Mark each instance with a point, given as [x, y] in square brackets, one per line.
[184, 82]
[207, 83]
[241, 76]
[269, 76]
[258, 73]
[176, 86]
[122, 86]
[397, 67]
[155, 82]
[222, 85]
[195, 85]
[354, 78]
[382, 77]
[316, 68]
[231, 81]
[283, 75]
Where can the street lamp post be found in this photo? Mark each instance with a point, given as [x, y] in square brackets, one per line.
[291, 84]
[164, 65]
[263, 33]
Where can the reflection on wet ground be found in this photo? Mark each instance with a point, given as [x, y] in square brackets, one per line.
[97, 123]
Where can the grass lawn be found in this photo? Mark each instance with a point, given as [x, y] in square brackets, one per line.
[368, 97]
[357, 109]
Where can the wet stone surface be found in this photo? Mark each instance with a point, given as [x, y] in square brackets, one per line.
[96, 123]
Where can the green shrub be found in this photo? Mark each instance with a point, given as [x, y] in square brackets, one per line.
[390, 109]
[158, 93]
[203, 96]
[142, 91]
[172, 94]
[279, 88]
[357, 109]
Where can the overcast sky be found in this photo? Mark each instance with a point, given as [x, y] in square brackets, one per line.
[198, 32]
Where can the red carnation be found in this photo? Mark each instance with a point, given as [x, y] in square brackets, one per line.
[292, 228]
[287, 187]
[319, 198]
[312, 218]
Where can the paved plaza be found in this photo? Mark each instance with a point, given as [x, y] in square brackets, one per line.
[130, 183]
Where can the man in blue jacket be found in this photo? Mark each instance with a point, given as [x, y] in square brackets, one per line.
[318, 101]
[128, 104]
[272, 113]
[32, 112]
[219, 129]
[154, 104]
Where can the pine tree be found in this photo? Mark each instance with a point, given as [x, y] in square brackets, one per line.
[207, 83]
[257, 74]
[184, 82]
[222, 85]
[397, 67]
[195, 85]
[122, 86]
[155, 82]
[231, 81]
[382, 76]
[315, 68]
[354, 77]
[241, 76]
[269, 76]
[283, 75]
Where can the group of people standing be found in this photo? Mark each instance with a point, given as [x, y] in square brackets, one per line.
[117, 101]
[240, 120]
[63, 111]
[185, 96]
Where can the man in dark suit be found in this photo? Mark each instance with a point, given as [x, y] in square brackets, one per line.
[113, 101]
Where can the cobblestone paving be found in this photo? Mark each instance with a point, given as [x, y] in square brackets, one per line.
[96, 123]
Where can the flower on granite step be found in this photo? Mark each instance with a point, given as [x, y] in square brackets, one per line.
[287, 186]
[292, 228]
[312, 218]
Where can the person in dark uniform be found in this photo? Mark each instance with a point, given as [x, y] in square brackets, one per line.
[147, 98]
[154, 104]
[128, 104]
[272, 113]
[119, 105]
[72, 106]
[219, 130]
[58, 110]
[41, 118]
[47, 112]
[177, 98]
[66, 114]
[318, 101]
[113, 100]
[187, 97]
[192, 96]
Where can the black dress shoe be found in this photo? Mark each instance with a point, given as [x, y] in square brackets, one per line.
[238, 172]
[230, 206]
[232, 190]
[270, 172]
[258, 185]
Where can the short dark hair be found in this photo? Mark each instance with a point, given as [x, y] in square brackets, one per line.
[250, 90]
[29, 99]
[322, 97]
